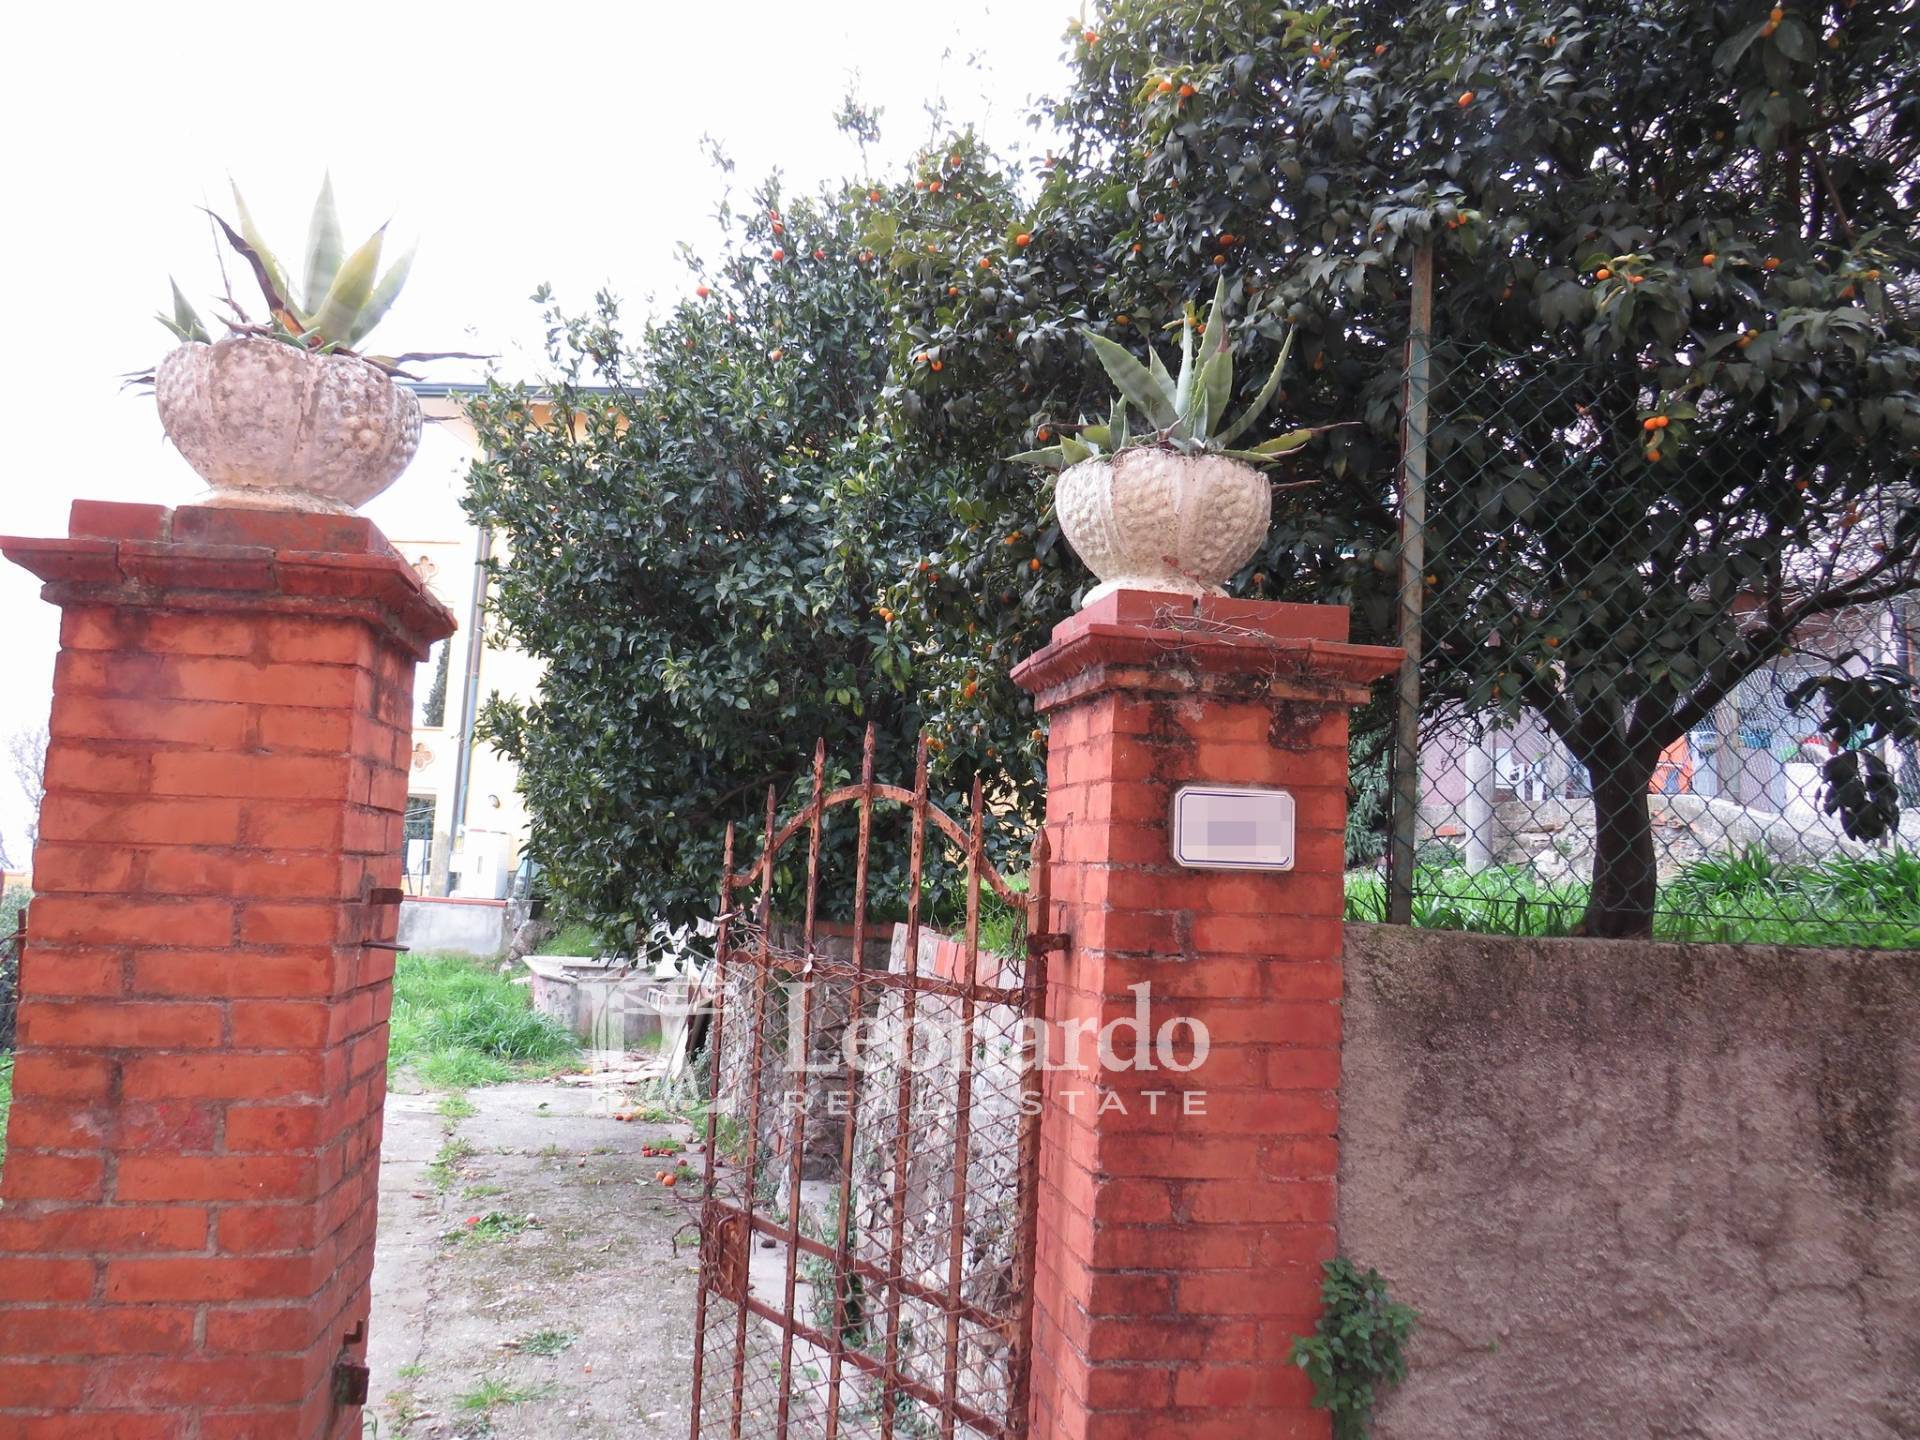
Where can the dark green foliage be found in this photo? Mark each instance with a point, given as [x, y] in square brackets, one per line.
[1618, 596]
[699, 557]
[708, 557]
[433, 712]
[1358, 1348]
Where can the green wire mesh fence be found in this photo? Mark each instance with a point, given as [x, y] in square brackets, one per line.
[1666, 657]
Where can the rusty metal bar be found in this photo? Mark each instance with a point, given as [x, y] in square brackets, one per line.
[892, 1381]
[1040, 940]
[842, 1240]
[1404, 796]
[903, 1101]
[847, 794]
[722, 927]
[753, 1107]
[826, 968]
[867, 1270]
[798, 1075]
[963, 1116]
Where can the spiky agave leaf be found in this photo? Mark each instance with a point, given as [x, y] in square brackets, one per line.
[284, 314]
[1268, 451]
[382, 298]
[275, 270]
[333, 320]
[1134, 380]
[185, 321]
[1183, 382]
[1056, 457]
[1260, 402]
[324, 247]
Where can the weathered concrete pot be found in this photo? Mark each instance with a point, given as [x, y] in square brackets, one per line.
[270, 426]
[1153, 519]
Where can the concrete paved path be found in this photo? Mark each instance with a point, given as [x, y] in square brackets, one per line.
[532, 1278]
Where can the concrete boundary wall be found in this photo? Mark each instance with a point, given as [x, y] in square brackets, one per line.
[1638, 1190]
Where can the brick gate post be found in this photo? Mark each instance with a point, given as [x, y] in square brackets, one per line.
[189, 1191]
[1184, 1213]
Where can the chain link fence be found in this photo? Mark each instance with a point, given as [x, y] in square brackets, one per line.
[1664, 658]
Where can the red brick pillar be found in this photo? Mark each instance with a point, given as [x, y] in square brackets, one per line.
[189, 1190]
[1184, 1214]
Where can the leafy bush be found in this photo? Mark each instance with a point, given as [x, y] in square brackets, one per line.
[458, 1022]
[1358, 1347]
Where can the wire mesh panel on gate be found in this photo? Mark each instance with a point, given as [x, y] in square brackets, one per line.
[1667, 659]
[867, 1224]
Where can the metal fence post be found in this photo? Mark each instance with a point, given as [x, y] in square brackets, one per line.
[1405, 798]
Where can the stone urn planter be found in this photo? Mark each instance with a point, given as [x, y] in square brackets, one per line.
[271, 426]
[1158, 519]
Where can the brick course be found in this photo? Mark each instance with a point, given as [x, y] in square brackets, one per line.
[1184, 1214]
[188, 1219]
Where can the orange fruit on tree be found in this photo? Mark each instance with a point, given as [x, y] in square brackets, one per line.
[1159, 215]
[970, 689]
[775, 353]
[933, 185]
[778, 254]
[939, 365]
[1034, 564]
[702, 291]
[1219, 259]
[1652, 422]
[1772, 262]
[1603, 273]
[1653, 456]
[1023, 240]
[1186, 92]
[954, 161]
[1466, 99]
[953, 290]
[1380, 49]
[1708, 258]
[985, 263]
[1635, 279]
[1165, 86]
[778, 228]
[1661, 422]
[1136, 247]
[1043, 434]
[1092, 37]
[873, 197]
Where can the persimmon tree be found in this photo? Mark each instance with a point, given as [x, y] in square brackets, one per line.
[1674, 249]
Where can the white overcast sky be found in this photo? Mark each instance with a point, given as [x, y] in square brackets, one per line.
[518, 143]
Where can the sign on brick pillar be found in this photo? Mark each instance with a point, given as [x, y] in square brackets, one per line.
[189, 1193]
[1188, 1161]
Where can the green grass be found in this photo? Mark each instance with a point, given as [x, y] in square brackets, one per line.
[1747, 897]
[455, 1106]
[491, 1393]
[6, 1100]
[576, 940]
[458, 1023]
[444, 1168]
[546, 1342]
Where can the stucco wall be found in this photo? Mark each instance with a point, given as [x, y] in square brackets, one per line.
[467, 927]
[1638, 1190]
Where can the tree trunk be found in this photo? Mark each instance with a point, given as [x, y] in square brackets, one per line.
[1626, 881]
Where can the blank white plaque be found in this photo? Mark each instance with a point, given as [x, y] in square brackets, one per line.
[1221, 827]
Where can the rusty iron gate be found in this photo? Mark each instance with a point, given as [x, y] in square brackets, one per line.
[867, 1223]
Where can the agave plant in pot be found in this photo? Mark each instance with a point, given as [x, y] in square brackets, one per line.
[287, 414]
[1176, 505]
